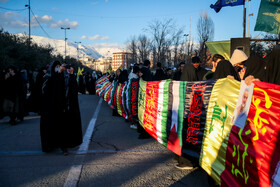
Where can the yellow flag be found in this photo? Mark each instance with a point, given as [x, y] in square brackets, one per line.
[80, 72]
[120, 67]
[221, 106]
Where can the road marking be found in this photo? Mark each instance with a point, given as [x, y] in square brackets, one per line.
[75, 171]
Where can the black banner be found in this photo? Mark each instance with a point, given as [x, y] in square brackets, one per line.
[196, 103]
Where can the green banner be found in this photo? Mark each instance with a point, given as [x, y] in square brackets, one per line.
[269, 16]
[220, 47]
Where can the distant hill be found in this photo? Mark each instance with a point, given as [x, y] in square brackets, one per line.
[71, 47]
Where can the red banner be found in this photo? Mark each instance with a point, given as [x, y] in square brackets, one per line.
[253, 153]
[150, 115]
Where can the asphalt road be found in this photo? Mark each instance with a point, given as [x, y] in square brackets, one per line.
[112, 155]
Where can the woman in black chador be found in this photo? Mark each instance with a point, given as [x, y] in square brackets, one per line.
[60, 124]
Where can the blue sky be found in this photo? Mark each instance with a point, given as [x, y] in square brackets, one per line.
[113, 22]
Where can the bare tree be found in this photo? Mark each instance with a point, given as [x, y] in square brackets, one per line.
[205, 30]
[176, 43]
[161, 32]
[264, 47]
[132, 48]
[164, 44]
[144, 47]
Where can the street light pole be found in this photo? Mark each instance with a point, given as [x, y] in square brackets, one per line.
[249, 14]
[29, 25]
[65, 40]
[77, 49]
[187, 46]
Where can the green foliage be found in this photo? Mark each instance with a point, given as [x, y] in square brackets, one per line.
[14, 50]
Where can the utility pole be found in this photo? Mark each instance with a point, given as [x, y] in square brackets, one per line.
[190, 29]
[249, 18]
[29, 25]
[65, 40]
[187, 46]
[77, 49]
[244, 21]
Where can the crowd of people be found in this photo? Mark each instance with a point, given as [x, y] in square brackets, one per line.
[53, 91]
[239, 67]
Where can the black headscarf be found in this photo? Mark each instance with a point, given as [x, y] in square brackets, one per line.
[273, 66]
[123, 76]
[51, 69]
[225, 68]
[188, 73]
[255, 66]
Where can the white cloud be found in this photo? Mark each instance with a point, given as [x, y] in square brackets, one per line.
[46, 19]
[107, 45]
[106, 1]
[13, 20]
[65, 23]
[94, 3]
[95, 38]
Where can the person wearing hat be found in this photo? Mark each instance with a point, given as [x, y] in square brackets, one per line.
[237, 60]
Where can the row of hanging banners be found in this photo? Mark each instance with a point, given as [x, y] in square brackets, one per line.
[230, 129]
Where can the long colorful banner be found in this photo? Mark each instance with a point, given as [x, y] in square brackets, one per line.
[193, 119]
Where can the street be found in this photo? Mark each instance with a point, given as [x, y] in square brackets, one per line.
[111, 155]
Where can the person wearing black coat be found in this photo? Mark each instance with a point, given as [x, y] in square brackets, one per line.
[255, 66]
[188, 73]
[178, 73]
[194, 71]
[82, 86]
[117, 79]
[92, 81]
[159, 75]
[59, 112]
[14, 95]
[146, 74]
[72, 114]
[123, 77]
[200, 71]
[272, 74]
[35, 98]
[225, 68]
[87, 83]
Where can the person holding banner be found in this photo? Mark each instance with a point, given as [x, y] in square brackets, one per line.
[255, 66]
[146, 75]
[225, 69]
[116, 79]
[238, 59]
[145, 71]
[215, 60]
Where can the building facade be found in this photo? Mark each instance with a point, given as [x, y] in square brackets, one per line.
[121, 58]
[102, 64]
